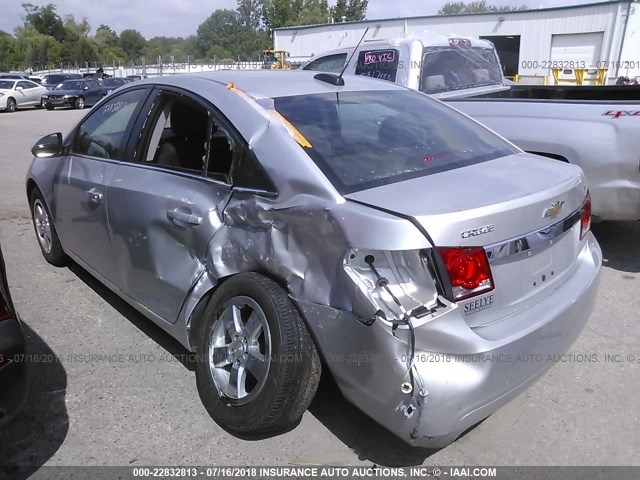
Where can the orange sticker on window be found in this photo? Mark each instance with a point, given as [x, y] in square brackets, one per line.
[292, 130]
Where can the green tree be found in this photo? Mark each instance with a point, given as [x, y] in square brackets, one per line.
[132, 43]
[45, 20]
[222, 34]
[7, 51]
[108, 45]
[314, 12]
[250, 13]
[479, 6]
[351, 10]
[281, 13]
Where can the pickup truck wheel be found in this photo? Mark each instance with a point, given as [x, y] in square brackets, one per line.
[79, 103]
[46, 232]
[11, 105]
[257, 367]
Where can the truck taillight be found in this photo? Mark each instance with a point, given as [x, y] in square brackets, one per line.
[585, 218]
[468, 269]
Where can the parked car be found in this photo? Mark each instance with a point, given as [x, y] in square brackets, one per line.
[75, 94]
[13, 365]
[14, 76]
[113, 83]
[266, 219]
[539, 119]
[53, 80]
[133, 78]
[16, 94]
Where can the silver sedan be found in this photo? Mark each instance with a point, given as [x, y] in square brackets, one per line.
[16, 94]
[279, 223]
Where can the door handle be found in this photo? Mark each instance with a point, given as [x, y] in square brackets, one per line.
[94, 196]
[184, 217]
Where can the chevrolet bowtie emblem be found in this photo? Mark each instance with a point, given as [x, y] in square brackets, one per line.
[553, 210]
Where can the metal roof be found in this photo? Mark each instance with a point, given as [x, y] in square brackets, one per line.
[516, 12]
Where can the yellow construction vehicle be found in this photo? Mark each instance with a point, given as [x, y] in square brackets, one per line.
[275, 59]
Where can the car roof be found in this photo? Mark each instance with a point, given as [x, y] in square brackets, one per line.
[271, 84]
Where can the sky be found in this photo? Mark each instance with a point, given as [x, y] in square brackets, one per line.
[180, 18]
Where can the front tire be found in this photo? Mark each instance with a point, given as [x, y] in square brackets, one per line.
[48, 106]
[46, 234]
[79, 103]
[11, 105]
[258, 368]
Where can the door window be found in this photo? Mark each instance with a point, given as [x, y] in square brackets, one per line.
[25, 85]
[330, 63]
[183, 134]
[105, 131]
[177, 134]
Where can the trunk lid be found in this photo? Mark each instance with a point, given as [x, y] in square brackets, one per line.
[508, 206]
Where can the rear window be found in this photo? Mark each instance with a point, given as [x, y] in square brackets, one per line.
[6, 84]
[457, 67]
[362, 140]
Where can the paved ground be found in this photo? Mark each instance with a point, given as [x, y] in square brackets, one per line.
[143, 412]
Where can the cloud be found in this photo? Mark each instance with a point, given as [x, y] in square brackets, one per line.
[179, 18]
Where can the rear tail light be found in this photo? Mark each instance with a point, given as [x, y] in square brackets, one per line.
[469, 271]
[585, 217]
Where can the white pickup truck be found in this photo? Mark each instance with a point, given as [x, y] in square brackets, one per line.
[597, 128]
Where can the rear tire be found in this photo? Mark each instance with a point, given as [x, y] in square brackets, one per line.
[79, 103]
[11, 105]
[46, 234]
[258, 368]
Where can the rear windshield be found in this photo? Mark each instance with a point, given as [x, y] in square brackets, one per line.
[70, 85]
[457, 67]
[362, 140]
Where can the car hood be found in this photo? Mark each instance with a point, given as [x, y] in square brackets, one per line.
[495, 200]
[65, 92]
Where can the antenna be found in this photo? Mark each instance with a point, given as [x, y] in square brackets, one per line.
[353, 53]
[334, 79]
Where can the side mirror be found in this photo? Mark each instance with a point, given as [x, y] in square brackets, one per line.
[85, 88]
[18, 89]
[48, 146]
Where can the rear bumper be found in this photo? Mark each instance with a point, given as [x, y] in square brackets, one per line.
[14, 374]
[465, 376]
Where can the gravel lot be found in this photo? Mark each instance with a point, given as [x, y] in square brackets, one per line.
[144, 412]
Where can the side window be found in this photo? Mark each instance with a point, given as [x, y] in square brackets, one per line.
[185, 135]
[330, 63]
[104, 133]
[177, 134]
[381, 64]
[24, 85]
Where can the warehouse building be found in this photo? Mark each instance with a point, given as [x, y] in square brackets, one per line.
[530, 43]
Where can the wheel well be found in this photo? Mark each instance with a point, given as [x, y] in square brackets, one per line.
[553, 156]
[31, 186]
[198, 312]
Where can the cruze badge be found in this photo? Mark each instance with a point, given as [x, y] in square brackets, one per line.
[553, 210]
[474, 232]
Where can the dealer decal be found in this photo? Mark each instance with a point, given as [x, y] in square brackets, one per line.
[621, 113]
[478, 305]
